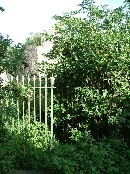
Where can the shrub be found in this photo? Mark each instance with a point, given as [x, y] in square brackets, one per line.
[90, 157]
[28, 148]
[24, 147]
[92, 83]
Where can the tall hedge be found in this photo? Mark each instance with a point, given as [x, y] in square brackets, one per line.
[92, 74]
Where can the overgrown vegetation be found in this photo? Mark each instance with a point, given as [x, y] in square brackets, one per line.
[92, 84]
[29, 149]
[91, 104]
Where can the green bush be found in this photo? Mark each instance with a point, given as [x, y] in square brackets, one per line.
[11, 55]
[90, 157]
[28, 148]
[24, 148]
[92, 73]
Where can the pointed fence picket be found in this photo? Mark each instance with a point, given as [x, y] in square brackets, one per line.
[41, 100]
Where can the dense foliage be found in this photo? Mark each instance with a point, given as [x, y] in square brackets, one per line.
[23, 148]
[11, 55]
[4, 43]
[92, 84]
[27, 148]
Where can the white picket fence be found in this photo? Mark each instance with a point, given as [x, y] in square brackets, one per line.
[39, 106]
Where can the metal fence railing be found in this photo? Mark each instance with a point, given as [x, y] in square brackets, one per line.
[28, 98]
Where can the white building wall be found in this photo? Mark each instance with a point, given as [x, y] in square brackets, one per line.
[44, 49]
[4, 78]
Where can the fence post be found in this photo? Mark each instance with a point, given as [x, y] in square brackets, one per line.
[28, 103]
[12, 102]
[52, 119]
[34, 100]
[17, 103]
[40, 102]
[45, 105]
[23, 103]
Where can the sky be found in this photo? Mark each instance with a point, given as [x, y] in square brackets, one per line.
[21, 17]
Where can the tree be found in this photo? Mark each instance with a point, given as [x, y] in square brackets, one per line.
[92, 83]
[11, 55]
[4, 44]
